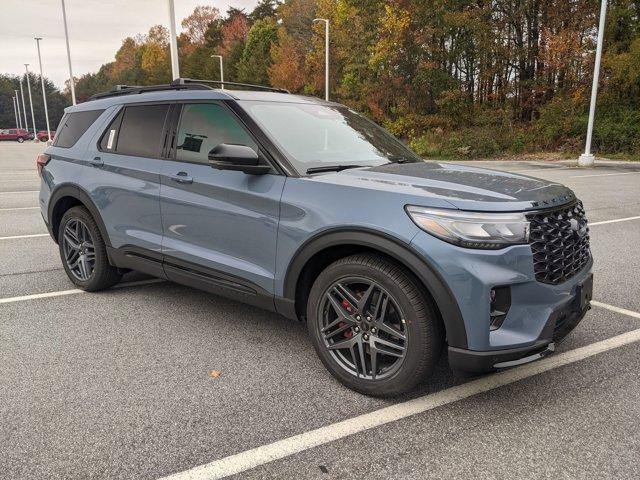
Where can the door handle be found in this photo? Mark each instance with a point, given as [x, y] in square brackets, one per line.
[181, 177]
[96, 162]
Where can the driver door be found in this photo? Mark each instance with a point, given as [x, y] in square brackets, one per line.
[219, 226]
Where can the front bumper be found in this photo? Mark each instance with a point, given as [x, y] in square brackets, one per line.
[539, 314]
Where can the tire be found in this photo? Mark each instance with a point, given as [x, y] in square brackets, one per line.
[409, 313]
[20, 140]
[102, 274]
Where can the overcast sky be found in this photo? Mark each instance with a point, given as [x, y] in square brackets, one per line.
[96, 30]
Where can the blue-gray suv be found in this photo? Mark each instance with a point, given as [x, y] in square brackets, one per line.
[306, 208]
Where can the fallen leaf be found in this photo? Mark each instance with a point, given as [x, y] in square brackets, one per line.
[215, 373]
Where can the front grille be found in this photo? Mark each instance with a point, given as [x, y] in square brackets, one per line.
[559, 241]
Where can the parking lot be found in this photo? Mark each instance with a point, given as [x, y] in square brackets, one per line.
[118, 384]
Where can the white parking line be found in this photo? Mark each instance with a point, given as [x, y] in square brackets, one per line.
[604, 174]
[16, 237]
[623, 311]
[614, 221]
[74, 291]
[255, 457]
[18, 208]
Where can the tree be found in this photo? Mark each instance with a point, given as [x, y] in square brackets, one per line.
[198, 23]
[256, 56]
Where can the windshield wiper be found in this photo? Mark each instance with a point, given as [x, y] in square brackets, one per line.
[331, 168]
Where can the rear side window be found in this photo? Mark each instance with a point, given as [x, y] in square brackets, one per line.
[73, 126]
[140, 132]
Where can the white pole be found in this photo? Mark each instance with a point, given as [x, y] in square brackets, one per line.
[24, 109]
[173, 42]
[44, 94]
[587, 159]
[33, 118]
[326, 55]
[15, 112]
[17, 105]
[66, 36]
[221, 70]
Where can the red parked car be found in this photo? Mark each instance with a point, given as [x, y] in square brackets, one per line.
[43, 136]
[16, 134]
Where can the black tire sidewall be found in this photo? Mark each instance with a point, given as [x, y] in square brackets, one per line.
[424, 343]
[104, 275]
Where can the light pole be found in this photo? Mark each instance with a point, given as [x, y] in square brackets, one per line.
[221, 70]
[66, 36]
[24, 109]
[44, 94]
[173, 42]
[587, 159]
[33, 118]
[17, 106]
[15, 111]
[326, 60]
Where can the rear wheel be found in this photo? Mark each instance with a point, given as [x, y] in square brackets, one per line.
[372, 326]
[83, 251]
[20, 139]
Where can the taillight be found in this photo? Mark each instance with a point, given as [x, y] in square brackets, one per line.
[41, 161]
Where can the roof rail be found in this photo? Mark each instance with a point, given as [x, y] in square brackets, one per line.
[193, 81]
[131, 89]
[178, 84]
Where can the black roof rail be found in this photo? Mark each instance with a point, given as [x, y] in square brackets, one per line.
[131, 89]
[178, 84]
[193, 81]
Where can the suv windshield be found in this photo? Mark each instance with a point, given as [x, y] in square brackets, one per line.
[318, 137]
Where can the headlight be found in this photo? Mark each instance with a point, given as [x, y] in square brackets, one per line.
[472, 229]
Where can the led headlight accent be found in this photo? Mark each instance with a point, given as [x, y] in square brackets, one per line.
[472, 229]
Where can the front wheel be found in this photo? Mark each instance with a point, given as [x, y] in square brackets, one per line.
[20, 140]
[83, 251]
[373, 326]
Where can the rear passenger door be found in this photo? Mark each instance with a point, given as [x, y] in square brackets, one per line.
[127, 184]
[219, 226]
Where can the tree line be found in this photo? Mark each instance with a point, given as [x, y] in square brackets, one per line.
[456, 78]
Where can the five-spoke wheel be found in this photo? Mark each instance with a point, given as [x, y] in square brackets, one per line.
[373, 325]
[79, 251]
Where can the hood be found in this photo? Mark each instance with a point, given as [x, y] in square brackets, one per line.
[463, 187]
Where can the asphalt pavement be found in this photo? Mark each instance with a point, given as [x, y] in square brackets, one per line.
[118, 384]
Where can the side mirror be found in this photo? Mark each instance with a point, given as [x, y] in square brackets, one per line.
[241, 158]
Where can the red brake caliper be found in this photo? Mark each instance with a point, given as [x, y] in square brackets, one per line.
[347, 306]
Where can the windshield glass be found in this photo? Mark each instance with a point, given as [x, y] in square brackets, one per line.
[313, 136]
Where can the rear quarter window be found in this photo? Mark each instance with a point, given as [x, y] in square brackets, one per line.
[72, 127]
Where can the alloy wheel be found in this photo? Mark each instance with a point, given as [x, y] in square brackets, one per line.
[79, 250]
[363, 328]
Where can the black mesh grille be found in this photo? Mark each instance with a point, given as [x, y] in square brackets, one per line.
[560, 243]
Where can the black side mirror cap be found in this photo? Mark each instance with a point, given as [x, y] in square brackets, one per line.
[241, 158]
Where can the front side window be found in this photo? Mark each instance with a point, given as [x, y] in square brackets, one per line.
[141, 131]
[314, 136]
[204, 126]
[72, 127]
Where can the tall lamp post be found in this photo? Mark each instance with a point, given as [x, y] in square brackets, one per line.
[15, 111]
[33, 118]
[221, 70]
[17, 106]
[326, 55]
[44, 94]
[66, 37]
[587, 159]
[173, 42]
[24, 109]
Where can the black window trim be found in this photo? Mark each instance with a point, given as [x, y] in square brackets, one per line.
[264, 152]
[120, 110]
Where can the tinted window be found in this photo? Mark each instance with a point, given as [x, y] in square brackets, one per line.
[73, 125]
[109, 138]
[205, 126]
[141, 130]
